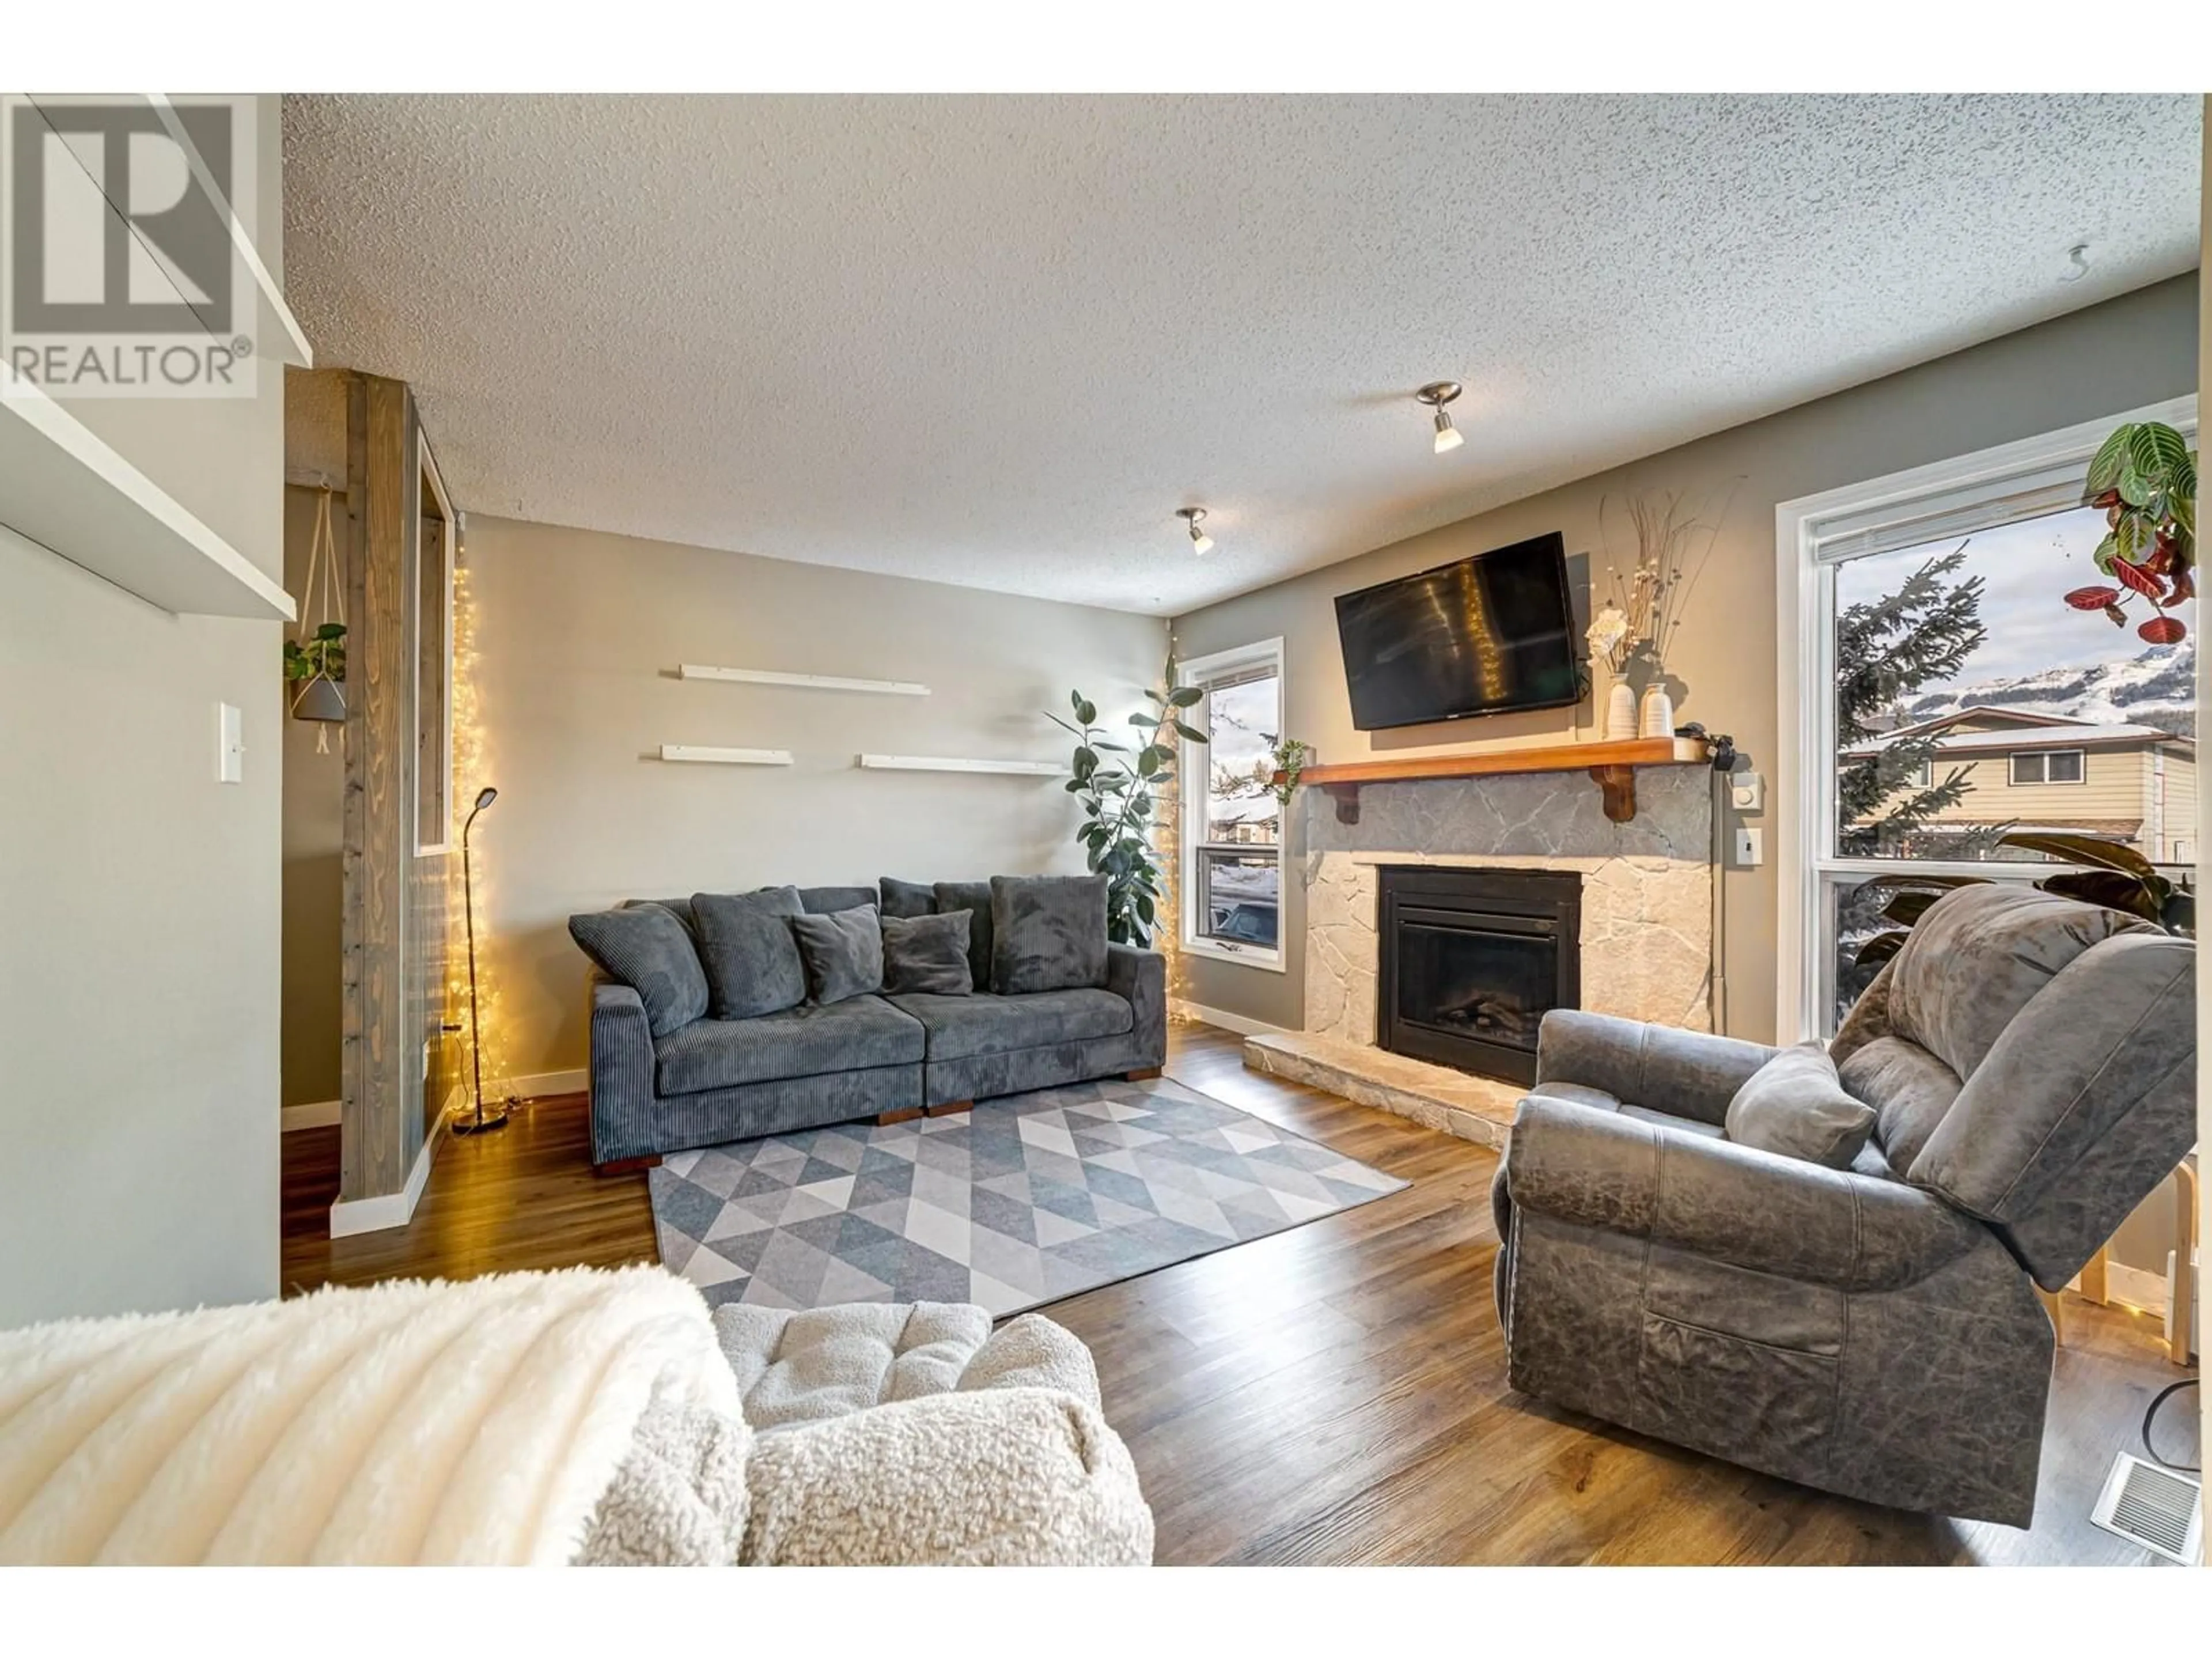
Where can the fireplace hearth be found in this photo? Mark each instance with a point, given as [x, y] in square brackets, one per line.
[1470, 960]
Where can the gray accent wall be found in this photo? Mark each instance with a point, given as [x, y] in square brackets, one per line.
[2128, 352]
[138, 979]
[579, 635]
[314, 852]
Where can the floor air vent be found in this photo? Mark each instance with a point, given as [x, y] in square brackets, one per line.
[2154, 1507]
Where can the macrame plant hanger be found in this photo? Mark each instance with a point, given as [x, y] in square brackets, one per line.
[328, 705]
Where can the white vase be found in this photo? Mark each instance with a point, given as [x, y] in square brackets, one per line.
[1619, 713]
[1658, 720]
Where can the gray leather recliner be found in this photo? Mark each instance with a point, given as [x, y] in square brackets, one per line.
[1873, 1332]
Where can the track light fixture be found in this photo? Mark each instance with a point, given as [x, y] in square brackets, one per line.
[1435, 395]
[1194, 516]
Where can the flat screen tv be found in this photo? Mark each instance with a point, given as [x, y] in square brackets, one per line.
[1485, 635]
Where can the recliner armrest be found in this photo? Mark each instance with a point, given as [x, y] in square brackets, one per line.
[1692, 1074]
[1728, 1202]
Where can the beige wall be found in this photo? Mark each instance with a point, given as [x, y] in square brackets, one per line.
[314, 851]
[579, 637]
[2128, 352]
[138, 984]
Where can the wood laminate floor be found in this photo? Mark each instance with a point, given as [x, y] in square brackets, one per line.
[1333, 1394]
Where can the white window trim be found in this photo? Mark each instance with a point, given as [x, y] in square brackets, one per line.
[1191, 763]
[1805, 670]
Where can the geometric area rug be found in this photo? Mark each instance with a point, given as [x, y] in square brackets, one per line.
[1018, 1202]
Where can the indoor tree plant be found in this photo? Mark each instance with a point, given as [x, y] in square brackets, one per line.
[1117, 784]
[2144, 476]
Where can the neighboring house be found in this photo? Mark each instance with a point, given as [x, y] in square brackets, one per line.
[2134, 784]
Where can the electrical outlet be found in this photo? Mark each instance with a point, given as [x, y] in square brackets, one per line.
[1748, 791]
[1750, 847]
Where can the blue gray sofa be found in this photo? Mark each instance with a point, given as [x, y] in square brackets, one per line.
[883, 1055]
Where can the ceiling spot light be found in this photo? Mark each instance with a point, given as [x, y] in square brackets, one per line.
[1194, 516]
[1435, 395]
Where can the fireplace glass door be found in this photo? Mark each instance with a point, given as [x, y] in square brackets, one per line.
[1471, 960]
[1491, 982]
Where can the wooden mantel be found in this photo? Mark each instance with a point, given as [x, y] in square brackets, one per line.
[1613, 764]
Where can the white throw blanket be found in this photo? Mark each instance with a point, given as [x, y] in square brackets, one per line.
[410, 1422]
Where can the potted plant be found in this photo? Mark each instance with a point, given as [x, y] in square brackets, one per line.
[2117, 878]
[1291, 756]
[315, 668]
[1117, 796]
[2144, 476]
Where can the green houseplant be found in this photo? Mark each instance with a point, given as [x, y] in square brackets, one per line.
[1117, 784]
[2144, 476]
[2119, 877]
[1289, 757]
[315, 669]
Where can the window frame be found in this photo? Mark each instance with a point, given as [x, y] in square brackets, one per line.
[1815, 535]
[1192, 763]
[2012, 758]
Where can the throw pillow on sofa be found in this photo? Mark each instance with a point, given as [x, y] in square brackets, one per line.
[905, 899]
[753, 965]
[843, 952]
[1048, 933]
[974, 898]
[648, 949]
[1796, 1106]
[927, 954]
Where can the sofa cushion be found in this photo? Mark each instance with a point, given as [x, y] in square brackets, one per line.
[1910, 1089]
[1795, 1107]
[803, 1042]
[824, 901]
[753, 965]
[843, 952]
[1600, 1100]
[974, 898]
[905, 898]
[927, 953]
[1976, 956]
[648, 949]
[963, 1027]
[802, 1367]
[1048, 933]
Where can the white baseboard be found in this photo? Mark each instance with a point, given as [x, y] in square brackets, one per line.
[532, 1085]
[1183, 1008]
[315, 1115]
[374, 1215]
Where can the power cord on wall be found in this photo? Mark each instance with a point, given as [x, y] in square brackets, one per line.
[2150, 1416]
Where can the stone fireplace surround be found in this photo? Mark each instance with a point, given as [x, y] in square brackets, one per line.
[1646, 933]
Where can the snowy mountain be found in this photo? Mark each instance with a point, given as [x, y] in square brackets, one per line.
[2158, 688]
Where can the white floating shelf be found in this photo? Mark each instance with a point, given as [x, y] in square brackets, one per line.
[946, 764]
[64, 488]
[692, 670]
[692, 752]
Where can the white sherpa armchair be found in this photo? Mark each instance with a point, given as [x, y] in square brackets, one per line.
[579, 1417]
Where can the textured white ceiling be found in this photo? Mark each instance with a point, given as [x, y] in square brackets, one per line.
[998, 341]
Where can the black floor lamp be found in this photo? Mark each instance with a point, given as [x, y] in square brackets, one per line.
[478, 1124]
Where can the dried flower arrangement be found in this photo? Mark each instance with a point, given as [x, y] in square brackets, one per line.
[1644, 610]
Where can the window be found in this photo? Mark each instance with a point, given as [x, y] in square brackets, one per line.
[2048, 766]
[1924, 648]
[1232, 821]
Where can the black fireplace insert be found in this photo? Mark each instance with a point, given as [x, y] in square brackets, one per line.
[1470, 960]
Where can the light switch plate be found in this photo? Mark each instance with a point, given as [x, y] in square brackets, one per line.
[1747, 791]
[230, 744]
[1750, 847]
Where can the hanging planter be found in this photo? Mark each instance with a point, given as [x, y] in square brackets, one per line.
[314, 664]
[316, 669]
